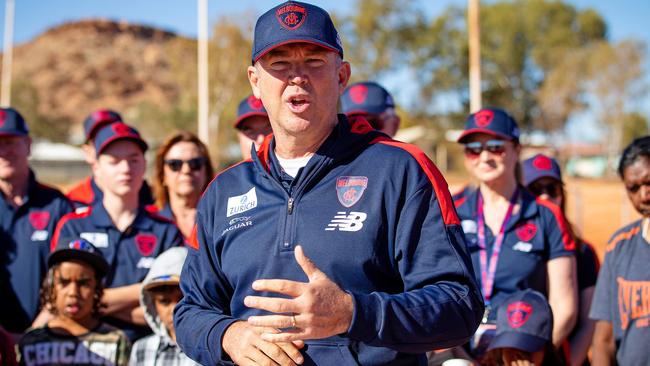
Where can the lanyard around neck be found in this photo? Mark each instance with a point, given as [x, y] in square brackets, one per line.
[488, 269]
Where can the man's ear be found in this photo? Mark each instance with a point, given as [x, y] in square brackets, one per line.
[253, 79]
[344, 73]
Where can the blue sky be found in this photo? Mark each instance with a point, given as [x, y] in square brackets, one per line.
[625, 18]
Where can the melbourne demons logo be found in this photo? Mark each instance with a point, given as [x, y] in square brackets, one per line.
[483, 118]
[39, 219]
[350, 189]
[526, 231]
[542, 163]
[121, 129]
[254, 103]
[3, 116]
[146, 243]
[518, 313]
[291, 16]
[358, 93]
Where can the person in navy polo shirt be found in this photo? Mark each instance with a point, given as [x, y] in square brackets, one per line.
[129, 236]
[372, 102]
[621, 305]
[516, 241]
[252, 124]
[88, 191]
[28, 214]
[543, 178]
[334, 245]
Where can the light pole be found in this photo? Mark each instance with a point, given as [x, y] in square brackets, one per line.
[203, 127]
[7, 54]
[474, 30]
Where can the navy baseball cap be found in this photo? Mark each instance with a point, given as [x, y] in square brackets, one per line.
[294, 22]
[117, 131]
[366, 97]
[78, 249]
[540, 166]
[524, 322]
[491, 121]
[249, 107]
[12, 123]
[99, 119]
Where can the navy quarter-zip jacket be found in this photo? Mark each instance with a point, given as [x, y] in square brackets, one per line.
[372, 213]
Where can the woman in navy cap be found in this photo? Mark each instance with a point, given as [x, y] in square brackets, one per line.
[543, 178]
[515, 241]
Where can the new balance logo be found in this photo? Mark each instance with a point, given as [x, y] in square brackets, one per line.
[347, 222]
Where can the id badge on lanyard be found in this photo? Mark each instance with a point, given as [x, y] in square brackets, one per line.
[488, 269]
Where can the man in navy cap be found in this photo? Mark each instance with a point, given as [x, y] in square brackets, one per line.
[372, 102]
[128, 235]
[89, 191]
[252, 125]
[334, 245]
[28, 213]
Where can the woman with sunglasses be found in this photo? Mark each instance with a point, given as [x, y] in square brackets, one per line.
[543, 178]
[515, 241]
[182, 171]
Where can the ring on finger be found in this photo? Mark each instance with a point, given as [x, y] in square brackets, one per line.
[293, 321]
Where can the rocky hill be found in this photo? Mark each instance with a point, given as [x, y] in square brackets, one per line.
[72, 69]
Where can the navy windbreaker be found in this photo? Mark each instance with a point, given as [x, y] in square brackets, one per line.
[374, 214]
[25, 234]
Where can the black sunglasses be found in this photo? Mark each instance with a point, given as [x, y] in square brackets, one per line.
[177, 164]
[553, 190]
[492, 146]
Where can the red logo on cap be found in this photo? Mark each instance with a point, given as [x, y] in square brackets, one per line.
[358, 93]
[291, 16]
[146, 243]
[39, 219]
[526, 231]
[3, 116]
[518, 313]
[484, 117]
[542, 163]
[103, 115]
[121, 129]
[254, 103]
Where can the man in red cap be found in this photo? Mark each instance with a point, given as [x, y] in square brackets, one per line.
[332, 237]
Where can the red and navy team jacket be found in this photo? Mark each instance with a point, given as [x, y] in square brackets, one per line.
[536, 233]
[25, 234]
[129, 254]
[87, 193]
[372, 213]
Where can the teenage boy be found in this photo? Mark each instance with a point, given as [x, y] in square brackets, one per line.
[129, 235]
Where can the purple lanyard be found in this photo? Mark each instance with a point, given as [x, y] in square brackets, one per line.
[488, 271]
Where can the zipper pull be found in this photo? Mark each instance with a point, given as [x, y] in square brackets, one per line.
[290, 206]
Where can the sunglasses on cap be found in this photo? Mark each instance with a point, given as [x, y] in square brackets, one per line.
[553, 190]
[177, 164]
[475, 148]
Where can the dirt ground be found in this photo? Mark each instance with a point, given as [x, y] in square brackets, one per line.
[596, 208]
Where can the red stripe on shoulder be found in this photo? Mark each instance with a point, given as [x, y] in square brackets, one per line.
[85, 212]
[193, 241]
[622, 236]
[438, 182]
[567, 238]
[82, 192]
[459, 202]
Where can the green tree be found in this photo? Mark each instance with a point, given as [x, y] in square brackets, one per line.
[521, 42]
[24, 97]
